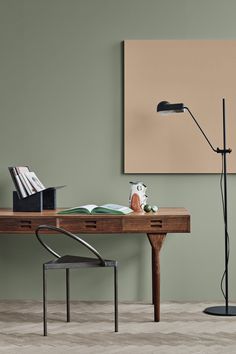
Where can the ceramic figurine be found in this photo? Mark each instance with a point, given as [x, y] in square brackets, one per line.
[137, 198]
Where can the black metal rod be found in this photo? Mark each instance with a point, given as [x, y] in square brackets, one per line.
[200, 129]
[225, 209]
[67, 294]
[116, 297]
[44, 302]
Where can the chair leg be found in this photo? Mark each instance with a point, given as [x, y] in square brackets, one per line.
[67, 295]
[116, 298]
[44, 302]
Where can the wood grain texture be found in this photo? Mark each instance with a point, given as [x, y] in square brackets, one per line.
[165, 220]
[156, 242]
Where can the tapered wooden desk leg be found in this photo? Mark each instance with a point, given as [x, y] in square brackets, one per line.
[153, 277]
[156, 241]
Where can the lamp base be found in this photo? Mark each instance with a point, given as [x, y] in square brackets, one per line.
[221, 310]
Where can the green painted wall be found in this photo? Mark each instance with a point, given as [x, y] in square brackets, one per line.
[61, 113]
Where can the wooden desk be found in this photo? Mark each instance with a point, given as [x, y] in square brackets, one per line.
[155, 225]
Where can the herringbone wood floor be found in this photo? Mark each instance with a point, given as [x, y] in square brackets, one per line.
[183, 329]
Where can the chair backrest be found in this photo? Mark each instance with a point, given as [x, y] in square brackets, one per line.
[67, 233]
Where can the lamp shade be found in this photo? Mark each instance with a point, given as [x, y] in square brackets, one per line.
[166, 107]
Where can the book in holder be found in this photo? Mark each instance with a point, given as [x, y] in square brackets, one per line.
[30, 193]
[43, 200]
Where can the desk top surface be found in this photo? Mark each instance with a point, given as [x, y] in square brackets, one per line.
[178, 211]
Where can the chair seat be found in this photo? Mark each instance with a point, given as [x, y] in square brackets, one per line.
[69, 261]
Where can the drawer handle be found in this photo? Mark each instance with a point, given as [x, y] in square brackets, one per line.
[90, 224]
[25, 224]
[156, 223]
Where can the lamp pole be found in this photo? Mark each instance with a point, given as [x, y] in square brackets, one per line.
[224, 310]
[225, 212]
[166, 107]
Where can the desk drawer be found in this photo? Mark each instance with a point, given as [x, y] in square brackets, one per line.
[91, 225]
[156, 224]
[23, 225]
[143, 225]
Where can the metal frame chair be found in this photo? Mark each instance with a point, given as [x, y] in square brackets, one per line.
[67, 262]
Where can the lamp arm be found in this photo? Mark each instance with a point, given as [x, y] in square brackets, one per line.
[212, 147]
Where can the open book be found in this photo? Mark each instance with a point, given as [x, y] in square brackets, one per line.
[94, 209]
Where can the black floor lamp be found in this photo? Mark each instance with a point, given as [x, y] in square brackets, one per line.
[166, 107]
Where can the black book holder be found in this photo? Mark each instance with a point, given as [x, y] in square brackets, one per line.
[43, 200]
